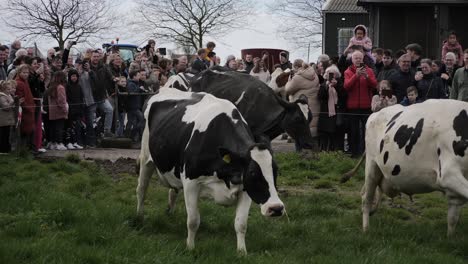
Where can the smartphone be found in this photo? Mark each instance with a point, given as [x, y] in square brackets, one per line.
[418, 68]
[331, 75]
[387, 93]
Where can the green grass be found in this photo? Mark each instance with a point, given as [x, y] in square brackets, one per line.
[71, 211]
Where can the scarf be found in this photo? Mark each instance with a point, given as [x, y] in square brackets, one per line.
[332, 101]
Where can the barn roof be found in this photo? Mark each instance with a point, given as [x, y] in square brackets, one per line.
[342, 6]
[363, 2]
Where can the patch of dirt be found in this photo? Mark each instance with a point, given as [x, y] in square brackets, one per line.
[121, 165]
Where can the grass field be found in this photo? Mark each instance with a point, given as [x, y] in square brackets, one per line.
[71, 211]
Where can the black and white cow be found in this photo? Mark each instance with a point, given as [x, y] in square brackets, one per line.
[418, 149]
[266, 113]
[202, 144]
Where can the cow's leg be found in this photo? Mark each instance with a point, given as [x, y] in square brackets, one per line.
[240, 224]
[172, 197]
[191, 193]
[373, 176]
[454, 208]
[146, 170]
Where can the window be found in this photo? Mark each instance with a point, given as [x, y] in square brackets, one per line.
[344, 35]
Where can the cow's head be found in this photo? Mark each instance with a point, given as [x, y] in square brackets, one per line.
[259, 172]
[296, 121]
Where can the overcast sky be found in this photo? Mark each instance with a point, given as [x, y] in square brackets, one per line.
[264, 36]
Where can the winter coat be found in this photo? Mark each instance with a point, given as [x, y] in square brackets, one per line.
[7, 110]
[400, 82]
[248, 66]
[74, 99]
[134, 102]
[101, 82]
[58, 106]
[198, 65]
[359, 88]
[28, 106]
[431, 87]
[328, 123]
[286, 65]
[263, 76]
[460, 85]
[122, 99]
[37, 86]
[457, 49]
[386, 72]
[377, 103]
[450, 73]
[406, 102]
[305, 82]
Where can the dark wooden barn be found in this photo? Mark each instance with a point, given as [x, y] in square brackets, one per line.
[339, 19]
[395, 23]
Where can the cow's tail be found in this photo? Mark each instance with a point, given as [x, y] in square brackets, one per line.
[351, 173]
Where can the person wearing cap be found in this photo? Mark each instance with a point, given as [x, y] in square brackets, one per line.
[284, 61]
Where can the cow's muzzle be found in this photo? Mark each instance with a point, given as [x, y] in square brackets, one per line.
[275, 210]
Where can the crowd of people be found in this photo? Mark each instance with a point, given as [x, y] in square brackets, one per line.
[53, 102]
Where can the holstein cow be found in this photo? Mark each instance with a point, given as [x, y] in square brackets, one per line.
[202, 144]
[418, 149]
[266, 113]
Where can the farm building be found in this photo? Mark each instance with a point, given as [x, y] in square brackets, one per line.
[395, 23]
[339, 19]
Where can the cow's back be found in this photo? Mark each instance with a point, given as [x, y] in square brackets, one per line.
[409, 144]
[256, 101]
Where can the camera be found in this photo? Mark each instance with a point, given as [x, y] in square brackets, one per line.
[331, 75]
[73, 42]
[387, 93]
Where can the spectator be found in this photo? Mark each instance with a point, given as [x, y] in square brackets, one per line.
[90, 104]
[429, 85]
[182, 65]
[260, 71]
[415, 51]
[75, 101]
[389, 66]
[345, 60]
[15, 46]
[19, 60]
[360, 84]
[153, 79]
[102, 82]
[360, 38]
[331, 95]
[36, 83]
[25, 97]
[377, 55]
[460, 81]
[58, 109]
[199, 64]
[447, 71]
[451, 44]
[248, 63]
[305, 82]
[231, 63]
[435, 67]
[135, 116]
[384, 98]
[411, 96]
[403, 77]
[122, 105]
[212, 59]
[209, 48]
[240, 65]
[284, 61]
[7, 115]
[3, 56]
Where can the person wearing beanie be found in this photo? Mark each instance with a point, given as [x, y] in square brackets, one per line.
[284, 61]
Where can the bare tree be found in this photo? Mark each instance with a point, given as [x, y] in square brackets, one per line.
[61, 20]
[187, 22]
[301, 21]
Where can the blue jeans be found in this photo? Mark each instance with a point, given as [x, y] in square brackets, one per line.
[90, 110]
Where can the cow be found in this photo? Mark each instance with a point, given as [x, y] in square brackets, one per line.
[417, 149]
[266, 113]
[202, 145]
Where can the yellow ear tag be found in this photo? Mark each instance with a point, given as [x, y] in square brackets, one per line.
[227, 158]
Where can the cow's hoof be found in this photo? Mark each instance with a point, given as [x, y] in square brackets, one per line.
[170, 211]
[242, 252]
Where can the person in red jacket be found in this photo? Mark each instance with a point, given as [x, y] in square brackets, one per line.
[23, 92]
[360, 84]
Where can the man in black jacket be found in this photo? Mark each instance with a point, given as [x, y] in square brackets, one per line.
[402, 78]
[101, 82]
[199, 64]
